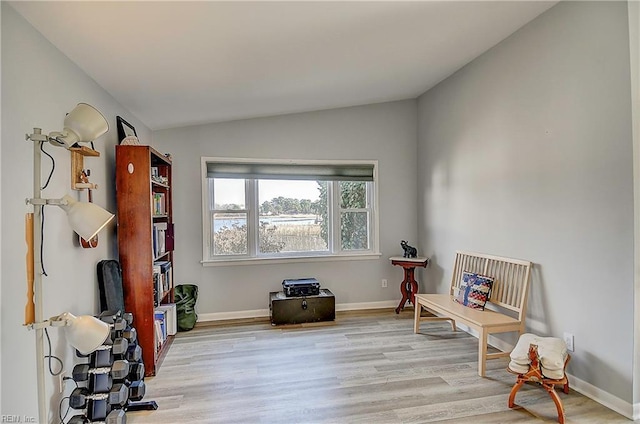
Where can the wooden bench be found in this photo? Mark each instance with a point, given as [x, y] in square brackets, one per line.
[505, 311]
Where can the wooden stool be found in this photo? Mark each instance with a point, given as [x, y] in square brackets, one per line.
[535, 375]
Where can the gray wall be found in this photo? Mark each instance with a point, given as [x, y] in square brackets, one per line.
[386, 132]
[527, 152]
[39, 86]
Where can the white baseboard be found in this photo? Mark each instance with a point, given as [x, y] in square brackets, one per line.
[367, 305]
[589, 390]
[264, 313]
[604, 398]
[222, 316]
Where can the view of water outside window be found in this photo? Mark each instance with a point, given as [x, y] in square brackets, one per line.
[230, 219]
[291, 216]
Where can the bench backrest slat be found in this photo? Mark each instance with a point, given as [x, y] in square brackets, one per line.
[511, 278]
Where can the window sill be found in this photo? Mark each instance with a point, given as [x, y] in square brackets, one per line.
[290, 260]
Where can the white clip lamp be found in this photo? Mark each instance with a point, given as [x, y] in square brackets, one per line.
[82, 125]
[86, 219]
[85, 333]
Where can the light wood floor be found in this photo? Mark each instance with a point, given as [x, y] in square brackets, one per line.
[366, 367]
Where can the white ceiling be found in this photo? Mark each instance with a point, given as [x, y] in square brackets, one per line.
[179, 63]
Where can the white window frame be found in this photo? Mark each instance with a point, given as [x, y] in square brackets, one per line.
[337, 216]
[251, 198]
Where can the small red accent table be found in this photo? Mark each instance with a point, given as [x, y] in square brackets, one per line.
[409, 286]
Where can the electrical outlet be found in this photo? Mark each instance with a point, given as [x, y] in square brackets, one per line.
[384, 283]
[568, 339]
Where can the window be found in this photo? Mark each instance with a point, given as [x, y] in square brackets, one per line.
[229, 217]
[262, 209]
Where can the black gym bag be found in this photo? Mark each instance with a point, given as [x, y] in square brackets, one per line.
[110, 285]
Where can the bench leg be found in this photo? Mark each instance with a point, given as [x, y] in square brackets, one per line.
[416, 316]
[482, 352]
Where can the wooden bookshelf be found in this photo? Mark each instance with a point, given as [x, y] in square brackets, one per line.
[141, 174]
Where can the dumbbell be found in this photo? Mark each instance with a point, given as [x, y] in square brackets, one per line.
[98, 410]
[136, 371]
[112, 315]
[118, 395]
[128, 333]
[102, 358]
[133, 353]
[117, 346]
[118, 371]
[127, 316]
[117, 323]
[102, 383]
[137, 390]
[121, 326]
[105, 358]
[117, 416]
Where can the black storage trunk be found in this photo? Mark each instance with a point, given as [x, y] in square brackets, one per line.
[301, 309]
[301, 287]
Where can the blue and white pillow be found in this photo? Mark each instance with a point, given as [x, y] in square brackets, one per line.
[475, 290]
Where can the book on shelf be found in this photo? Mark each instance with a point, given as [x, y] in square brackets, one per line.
[159, 204]
[159, 238]
[163, 266]
[160, 324]
[171, 317]
[162, 279]
[158, 334]
[157, 291]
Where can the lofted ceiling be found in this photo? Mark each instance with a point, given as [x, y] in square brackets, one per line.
[177, 63]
